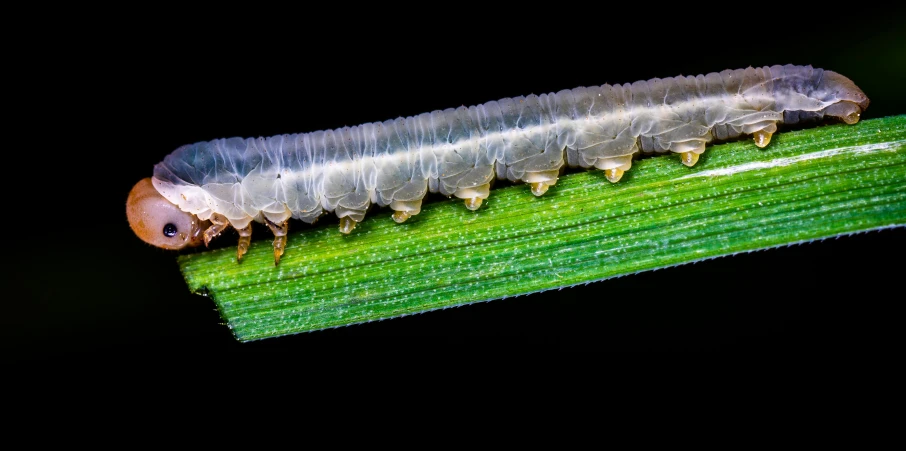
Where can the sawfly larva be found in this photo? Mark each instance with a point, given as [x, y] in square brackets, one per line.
[201, 189]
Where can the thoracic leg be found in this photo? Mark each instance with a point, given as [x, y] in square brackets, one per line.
[219, 223]
[245, 237]
[279, 231]
[614, 167]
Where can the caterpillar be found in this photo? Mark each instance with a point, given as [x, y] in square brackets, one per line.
[201, 189]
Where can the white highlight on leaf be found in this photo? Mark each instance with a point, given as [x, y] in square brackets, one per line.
[879, 147]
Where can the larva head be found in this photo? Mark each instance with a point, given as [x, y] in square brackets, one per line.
[158, 222]
[848, 101]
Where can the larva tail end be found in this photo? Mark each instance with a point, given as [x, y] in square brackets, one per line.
[160, 223]
[847, 112]
[841, 89]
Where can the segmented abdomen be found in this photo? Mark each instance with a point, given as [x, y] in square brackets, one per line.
[457, 151]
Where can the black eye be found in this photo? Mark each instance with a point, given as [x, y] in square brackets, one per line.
[170, 230]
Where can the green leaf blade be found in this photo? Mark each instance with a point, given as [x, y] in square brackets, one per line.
[807, 185]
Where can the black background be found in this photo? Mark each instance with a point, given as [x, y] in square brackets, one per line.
[122, 98]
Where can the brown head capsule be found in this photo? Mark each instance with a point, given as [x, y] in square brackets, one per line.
[158, 222]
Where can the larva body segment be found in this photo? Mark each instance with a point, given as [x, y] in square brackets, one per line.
[458, 152]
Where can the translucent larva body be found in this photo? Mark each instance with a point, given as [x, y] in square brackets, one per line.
[458, 152]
